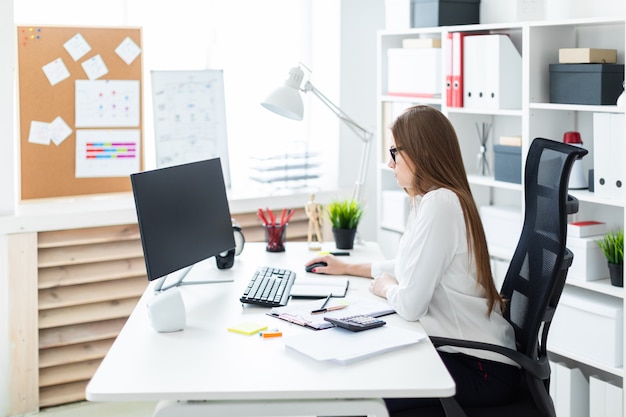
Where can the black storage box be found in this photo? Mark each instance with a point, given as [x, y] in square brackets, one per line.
[508, 163]
[430, 13]
[586, 83]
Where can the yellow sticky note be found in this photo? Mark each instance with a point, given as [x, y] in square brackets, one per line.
[247, 328]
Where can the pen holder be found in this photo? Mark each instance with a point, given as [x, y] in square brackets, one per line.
[275, 237]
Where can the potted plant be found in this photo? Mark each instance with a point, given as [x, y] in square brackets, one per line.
[612, 246]
[345, 216]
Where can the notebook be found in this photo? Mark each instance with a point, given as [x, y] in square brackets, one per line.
[319, 287]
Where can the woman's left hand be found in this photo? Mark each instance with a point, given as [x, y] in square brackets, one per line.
[381, 284]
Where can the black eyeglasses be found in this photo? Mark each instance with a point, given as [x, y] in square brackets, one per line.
[393, 151]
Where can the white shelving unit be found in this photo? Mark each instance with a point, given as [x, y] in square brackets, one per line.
[538, 44]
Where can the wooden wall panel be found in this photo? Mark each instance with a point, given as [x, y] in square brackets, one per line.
[62, 394]
[23, 324]
[76, 289]
[77, 352]
[63, 275]
[89, 281]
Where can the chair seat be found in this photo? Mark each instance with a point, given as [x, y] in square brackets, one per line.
[522, 406]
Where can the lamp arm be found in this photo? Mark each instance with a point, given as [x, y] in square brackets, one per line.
[358, 185]
[364, 134]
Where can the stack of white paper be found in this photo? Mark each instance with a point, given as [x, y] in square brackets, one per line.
[344, 346]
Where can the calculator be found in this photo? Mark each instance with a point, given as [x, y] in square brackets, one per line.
[356, 323]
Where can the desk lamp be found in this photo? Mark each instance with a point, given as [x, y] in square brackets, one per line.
[287, 101]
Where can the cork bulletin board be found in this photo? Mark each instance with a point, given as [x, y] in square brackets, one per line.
[80, 110]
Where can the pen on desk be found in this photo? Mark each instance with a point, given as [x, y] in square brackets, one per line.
[327, 309]
[335, 253]
[322, 309]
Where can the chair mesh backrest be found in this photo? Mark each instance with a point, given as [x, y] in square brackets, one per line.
[532, 278]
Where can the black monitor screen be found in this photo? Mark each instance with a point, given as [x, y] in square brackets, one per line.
[183, 215]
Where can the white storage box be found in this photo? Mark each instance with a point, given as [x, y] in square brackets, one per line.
[395, 210]
[589, 263]
[503, 226]
[605, 399]
[414, 72]
[589, 325]
[571, 391]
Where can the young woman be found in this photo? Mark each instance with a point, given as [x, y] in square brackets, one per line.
[441, 274]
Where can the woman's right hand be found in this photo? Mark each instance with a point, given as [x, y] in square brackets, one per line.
[334, 266]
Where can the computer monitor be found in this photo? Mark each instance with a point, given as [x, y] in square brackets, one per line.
[183, 217]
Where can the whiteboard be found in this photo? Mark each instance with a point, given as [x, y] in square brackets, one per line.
[189, 118]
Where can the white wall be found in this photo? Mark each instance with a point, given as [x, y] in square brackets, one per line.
[7, 180]
[360, 19]
[7, 112]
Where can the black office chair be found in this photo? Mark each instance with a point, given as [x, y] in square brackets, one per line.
[533, 283]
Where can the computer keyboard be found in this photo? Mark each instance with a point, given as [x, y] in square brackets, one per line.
[269, 287]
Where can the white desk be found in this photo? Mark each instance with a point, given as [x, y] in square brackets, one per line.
[207, 370]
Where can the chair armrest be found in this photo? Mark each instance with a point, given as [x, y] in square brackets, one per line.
[539, 368]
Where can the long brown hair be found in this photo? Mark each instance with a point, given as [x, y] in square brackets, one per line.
[427, 139]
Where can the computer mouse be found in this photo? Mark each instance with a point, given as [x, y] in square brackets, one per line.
[314, 265]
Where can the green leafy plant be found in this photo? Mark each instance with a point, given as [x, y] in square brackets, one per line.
[612, 246]
[345, 214]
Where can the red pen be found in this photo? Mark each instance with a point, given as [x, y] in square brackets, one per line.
[272, 218]
[282, 217]
[290, 215]
[262, 216]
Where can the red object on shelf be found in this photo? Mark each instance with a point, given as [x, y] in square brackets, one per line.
[573, 138]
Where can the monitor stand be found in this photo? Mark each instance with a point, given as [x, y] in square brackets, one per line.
[160, 285]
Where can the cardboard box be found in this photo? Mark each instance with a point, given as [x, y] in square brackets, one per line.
[589, 263]
[508, 163]
[588, 324]
[587, 56]
[586, 83]
[414, 72]
[510, 140]
[503, 226]
[429, 13]
[421, 43]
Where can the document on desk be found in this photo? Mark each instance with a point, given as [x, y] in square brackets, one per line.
[301, 313]
[343, 346]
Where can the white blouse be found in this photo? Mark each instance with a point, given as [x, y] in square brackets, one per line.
[437, 278]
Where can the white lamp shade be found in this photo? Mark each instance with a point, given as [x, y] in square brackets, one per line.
[285, 101]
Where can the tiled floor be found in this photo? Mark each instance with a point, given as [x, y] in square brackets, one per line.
[92, 409]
